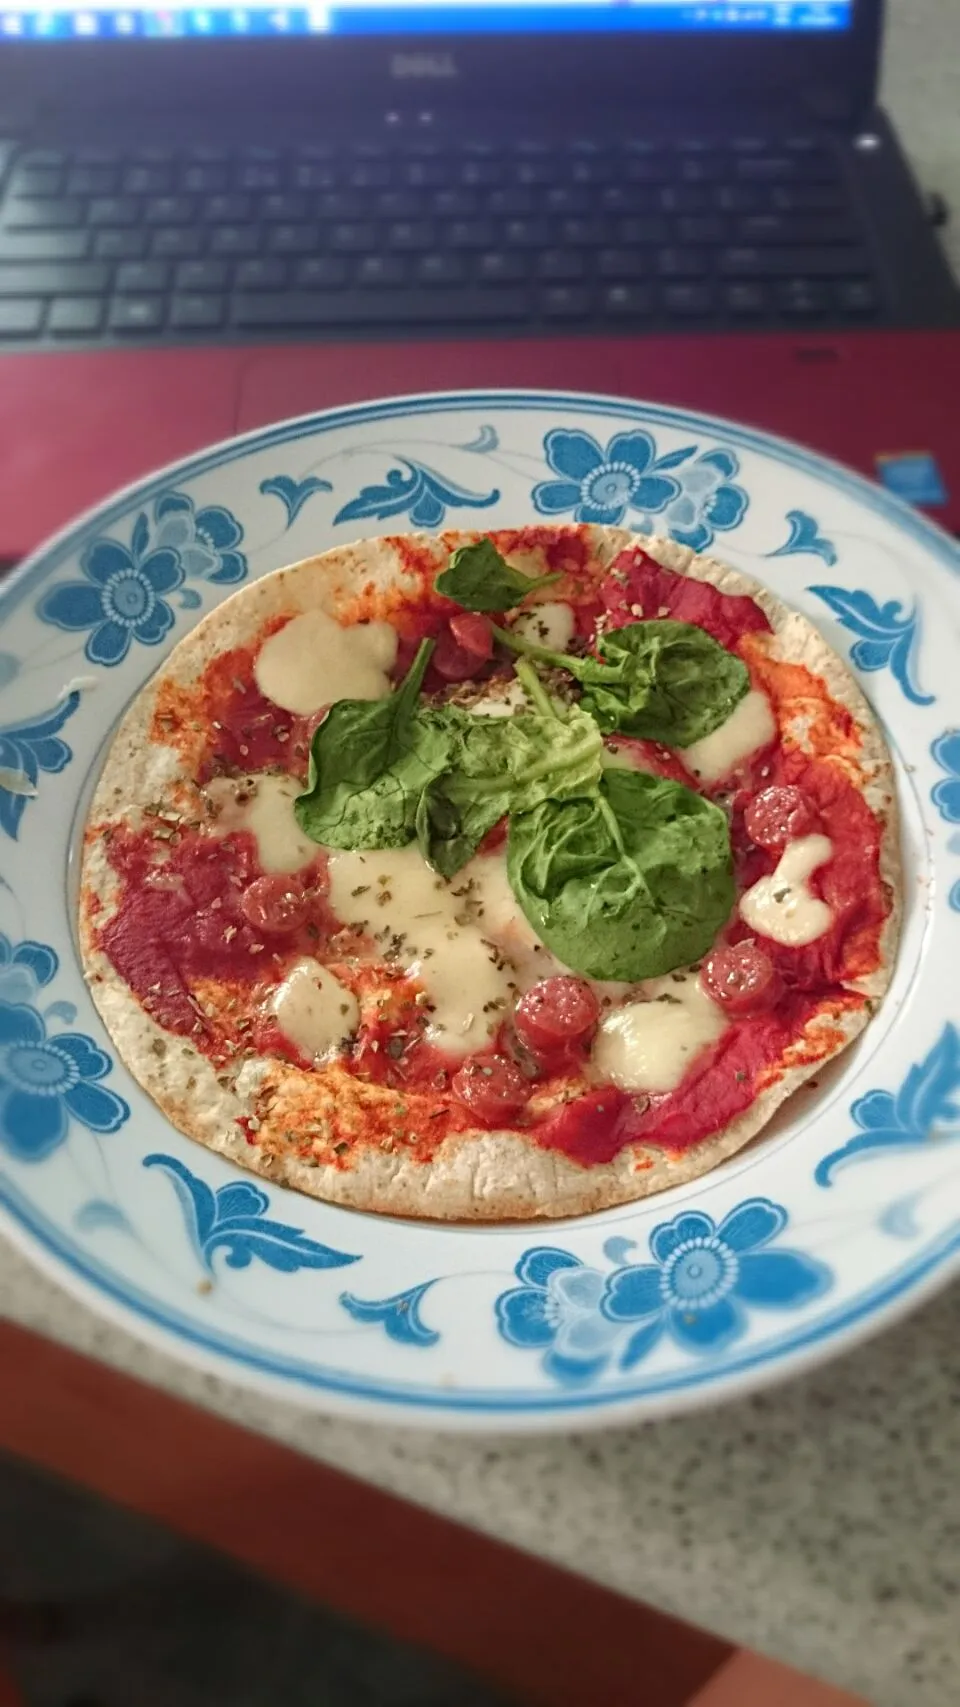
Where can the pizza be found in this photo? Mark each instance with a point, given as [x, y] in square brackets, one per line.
[491, 875]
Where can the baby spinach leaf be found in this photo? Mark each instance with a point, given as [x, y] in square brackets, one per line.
[661, 680]
[369, 763]
[505, 765]
[628, 882]
[478, 578]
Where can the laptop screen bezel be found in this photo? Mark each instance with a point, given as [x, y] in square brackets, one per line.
[687, 74]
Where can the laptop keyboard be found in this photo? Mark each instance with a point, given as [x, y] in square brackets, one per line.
[213, 244]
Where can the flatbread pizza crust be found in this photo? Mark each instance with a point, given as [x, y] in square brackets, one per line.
[476, 1175]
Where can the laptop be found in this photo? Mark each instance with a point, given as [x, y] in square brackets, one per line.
[215, 216]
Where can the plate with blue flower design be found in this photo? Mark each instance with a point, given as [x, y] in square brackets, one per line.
[843, 1214]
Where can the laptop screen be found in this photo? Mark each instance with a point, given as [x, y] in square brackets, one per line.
[423, 17]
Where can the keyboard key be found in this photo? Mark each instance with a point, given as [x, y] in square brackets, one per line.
[739, 198]
[352, 204]
[196, 313]
[322, 272]
[425, 174]
[147, 181]
[681, 263]
[173, 242]
[565, 302]
[745, 297]
[122, 245]
[647, 228]
[136, 314]
[369, 175]
[283, 206]
[753, 262]
[91, 181]
[627, 301]
[195, 276]
[113, 210]
[293, 239]
[75, 316]
[510, 204]
[582, 233]
[392, 204]
[768, 169]
[440, 269]
[616, 199]
[524, 233]
[150, 154]
[856, 296]
[499, 266]
[623, 263]
[561, 265]
[488, 174]
[37, 181]
[802, 298]
[807, 198]
[381, 270]
[259, 178]
[226, 210]
[139, 278]
[311, 176]
[410, 234]
[469, 234]
[259, 275]
[702, 228]
[43, 157]
[352, 238]
[683, 198]
[236, 239]
[46, 212]
[44, 245]
[169, 210]
[397, 308]
[688, 297]
[78, 278]
[559, 200]
[21, 318]
[203, 180]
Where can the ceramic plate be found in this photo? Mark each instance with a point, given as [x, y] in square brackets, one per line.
[845, 1212]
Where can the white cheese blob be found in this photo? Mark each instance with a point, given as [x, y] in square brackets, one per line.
[314, 1010]
[313, 660]
[264, 806]
[781, 906]
[750, 726]
[499, 699]
[649, 1044]
[443, 935]
[551, 625]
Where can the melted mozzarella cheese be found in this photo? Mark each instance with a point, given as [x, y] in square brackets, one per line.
[313, 661]
[648, 1045]
[781, 906]
[550, 625]
[465, 957]
[500, 699]
[314, 1010]
[264, 806]
[750, 726]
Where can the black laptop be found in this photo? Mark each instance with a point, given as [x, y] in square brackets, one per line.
[221, 173]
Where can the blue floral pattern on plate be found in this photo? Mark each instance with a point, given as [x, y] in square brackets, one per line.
[421, 493]
[399, 1315]
[28, 748]
[125, 595]
[693, 496]
[46, 1078]
[887, 635]
[234, 1218]
[293, 494]
[205, 540]
[923, 1110]
[805, 539]
[698, 1290]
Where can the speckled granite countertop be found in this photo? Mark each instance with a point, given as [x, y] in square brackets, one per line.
[819, 1523]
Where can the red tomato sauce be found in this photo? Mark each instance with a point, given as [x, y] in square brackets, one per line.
[637, 587]
[722, 1084]
[849, 883]
[178, 922]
